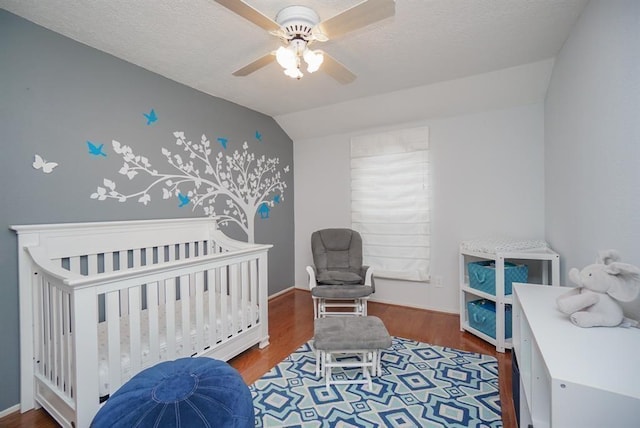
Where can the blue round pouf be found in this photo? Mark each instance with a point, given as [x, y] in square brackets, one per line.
[186, 393]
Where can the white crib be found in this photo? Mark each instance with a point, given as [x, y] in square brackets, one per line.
[99, 302]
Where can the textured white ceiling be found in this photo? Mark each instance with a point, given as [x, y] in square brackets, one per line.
[200, 43]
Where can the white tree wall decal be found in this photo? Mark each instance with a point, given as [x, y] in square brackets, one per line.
[229, 188]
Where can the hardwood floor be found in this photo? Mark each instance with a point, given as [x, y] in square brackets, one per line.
[291, 324]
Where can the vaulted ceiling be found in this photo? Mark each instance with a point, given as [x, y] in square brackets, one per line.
[199, 43]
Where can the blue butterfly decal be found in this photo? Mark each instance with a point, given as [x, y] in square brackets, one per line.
[276, 199]
[151, 116]
[258, 136]
[184, 200]
[96, 150]
[223, 142]
[264, 210]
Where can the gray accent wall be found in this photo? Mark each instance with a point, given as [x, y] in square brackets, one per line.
[57, 94]
[592, 137]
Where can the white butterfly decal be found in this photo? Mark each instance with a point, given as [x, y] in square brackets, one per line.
[40, 163]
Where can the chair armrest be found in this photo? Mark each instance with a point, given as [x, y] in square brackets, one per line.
[368, 277]
[312, 277]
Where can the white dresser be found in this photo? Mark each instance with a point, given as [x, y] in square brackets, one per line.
[571, 376]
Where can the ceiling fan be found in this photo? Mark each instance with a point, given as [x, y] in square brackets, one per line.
[298, 27]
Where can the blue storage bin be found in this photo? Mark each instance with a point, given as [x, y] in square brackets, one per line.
[482, 316]
[482, 276]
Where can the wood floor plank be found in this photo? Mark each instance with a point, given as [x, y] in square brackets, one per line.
[291, 325]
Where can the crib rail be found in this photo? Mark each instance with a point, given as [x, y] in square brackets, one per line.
[100, 317]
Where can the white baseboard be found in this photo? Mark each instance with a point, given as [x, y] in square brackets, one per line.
[280, 293]
[10, 410]
[407, 305]
[392, 302]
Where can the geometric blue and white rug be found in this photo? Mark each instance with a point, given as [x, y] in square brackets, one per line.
[420, 386]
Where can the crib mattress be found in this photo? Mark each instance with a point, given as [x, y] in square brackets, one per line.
[125, 342]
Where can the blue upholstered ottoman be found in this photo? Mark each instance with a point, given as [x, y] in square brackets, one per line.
[188, 392]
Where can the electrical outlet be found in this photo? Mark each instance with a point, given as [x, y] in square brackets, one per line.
[437, 281]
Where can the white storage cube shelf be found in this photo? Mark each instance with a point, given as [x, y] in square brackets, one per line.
[572, 376]
[550, 275]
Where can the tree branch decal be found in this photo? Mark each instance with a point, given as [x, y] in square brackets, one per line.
[228, 188]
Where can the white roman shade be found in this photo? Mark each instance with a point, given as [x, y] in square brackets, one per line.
[390, 201]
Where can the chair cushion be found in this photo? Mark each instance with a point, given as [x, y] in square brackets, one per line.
[337, 249]
[341, 291]
[336, 239]
[336, 277]
[187, 392]
[350, 333]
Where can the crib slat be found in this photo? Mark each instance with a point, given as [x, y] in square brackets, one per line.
[59, 340]
[114, 362]
[148, 256]
[192, 286]
[108, 262]
[198, 280]
[135, 351]
[86, 350]
[46, 355]
[123, 263]
[244, 294]
[233, 297]
[224, 304]
[39, 312]
[67, 343]
[262, 299]
[136, 258]
[92, 264]
[170, 316]
[185, 299]
[212, 285]
[170, 254]
[154, 331]
[163, 257]
[253, 299]
[56, 330]
[74, 264]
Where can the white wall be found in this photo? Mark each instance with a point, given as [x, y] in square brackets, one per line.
[488, 178]
[494, 171]
[524, 84]
[592, 142]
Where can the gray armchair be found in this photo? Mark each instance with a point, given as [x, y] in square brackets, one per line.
[338, 279]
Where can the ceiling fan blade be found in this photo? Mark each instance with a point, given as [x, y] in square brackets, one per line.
[255, 65]
[335, 69]
[250, 14]
[360, 15]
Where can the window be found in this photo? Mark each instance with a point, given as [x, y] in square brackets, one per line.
[390, 202]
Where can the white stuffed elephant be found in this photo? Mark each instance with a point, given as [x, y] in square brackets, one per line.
[601, 286]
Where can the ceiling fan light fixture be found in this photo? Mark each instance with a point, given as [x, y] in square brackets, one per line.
[286, 57]
[293, 72]
[313, 59]
[298, 26]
